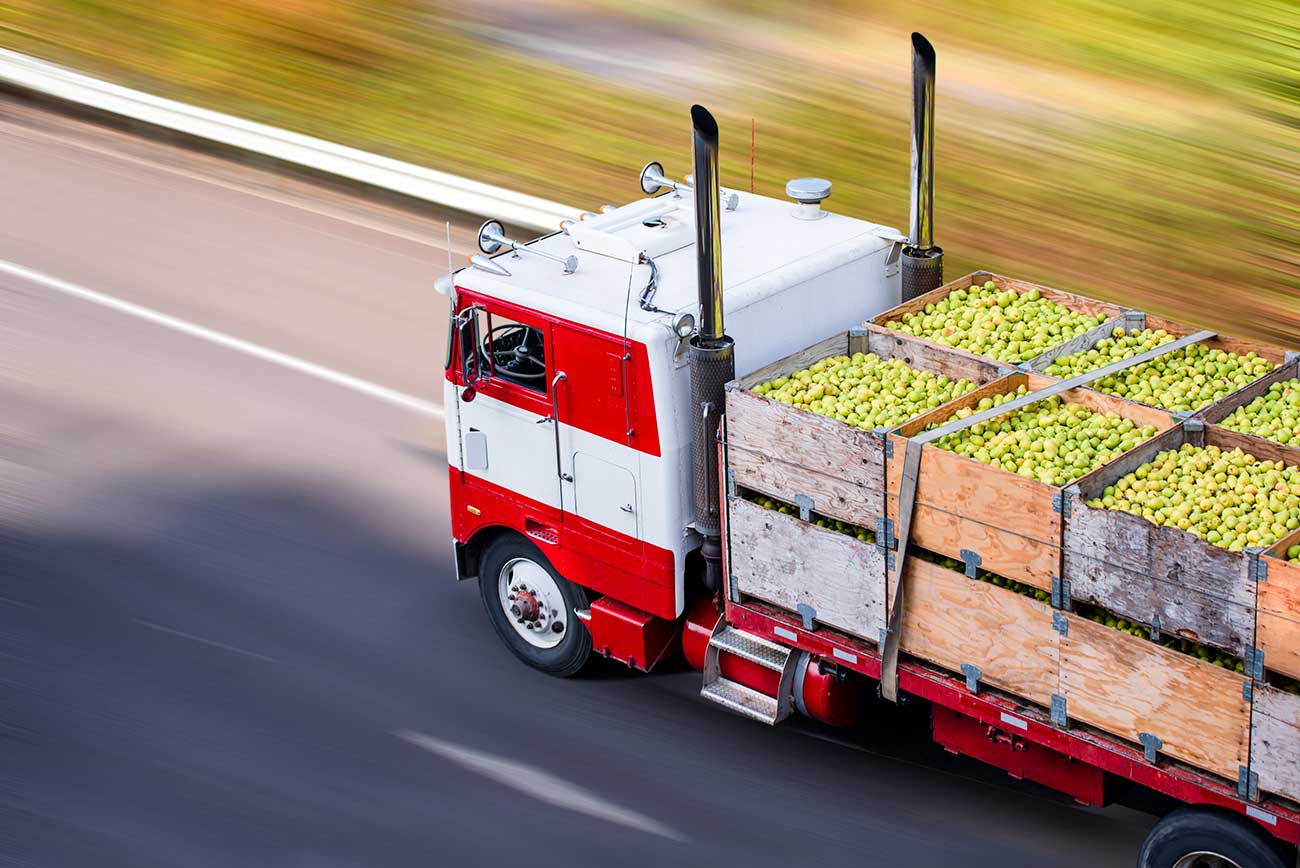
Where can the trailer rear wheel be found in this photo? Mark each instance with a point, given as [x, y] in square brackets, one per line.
[1207, 838]
[531, 606]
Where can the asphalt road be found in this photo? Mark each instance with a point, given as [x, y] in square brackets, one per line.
[229, 627]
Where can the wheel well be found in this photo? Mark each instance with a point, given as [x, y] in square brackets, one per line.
[468, 554]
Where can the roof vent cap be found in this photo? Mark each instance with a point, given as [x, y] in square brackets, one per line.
[809, 193]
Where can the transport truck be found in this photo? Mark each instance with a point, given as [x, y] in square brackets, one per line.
[629, 479]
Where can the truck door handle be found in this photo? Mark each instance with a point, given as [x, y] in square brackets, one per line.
[627, 507]
[555, 416]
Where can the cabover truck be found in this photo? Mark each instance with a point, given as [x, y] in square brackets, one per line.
[612, 480]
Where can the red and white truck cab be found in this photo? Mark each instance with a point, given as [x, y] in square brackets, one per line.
[576, 431]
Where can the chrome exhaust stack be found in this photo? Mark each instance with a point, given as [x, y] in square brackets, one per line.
[712, 358]
[922, 261]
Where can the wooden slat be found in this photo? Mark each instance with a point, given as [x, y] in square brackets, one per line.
[1275, 742]
[926, 356]
[1263, 450]
[950, 620]
[784, 561]
[1277, 626]
[783, 451]
[1127, 686]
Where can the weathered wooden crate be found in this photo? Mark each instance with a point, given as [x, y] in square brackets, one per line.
[956, 622]
[1277, 621]
[1160, 576]
[1136, 319]
[1076, 303]
[964, 508]
[1275, 741]
[836, 579]
[785, 451]
[1136, 689]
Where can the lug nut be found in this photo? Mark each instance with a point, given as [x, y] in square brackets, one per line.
[510, 596]
[557, 627]
[515, 610]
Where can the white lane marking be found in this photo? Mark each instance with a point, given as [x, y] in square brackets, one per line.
[541, 785]
[222, 645]
[329, 375]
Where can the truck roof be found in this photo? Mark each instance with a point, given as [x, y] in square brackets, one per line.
[765, 248]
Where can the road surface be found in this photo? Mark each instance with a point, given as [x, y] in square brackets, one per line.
[230, 629]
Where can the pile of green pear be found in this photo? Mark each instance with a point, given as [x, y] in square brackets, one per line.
[1229, 499]
[1120, 345]
[1052, 441]
[1274, 415]
[999, 324]
[865, 390]
[1293, 554]
[1183, 381]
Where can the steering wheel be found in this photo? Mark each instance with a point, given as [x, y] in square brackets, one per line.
[516, 351]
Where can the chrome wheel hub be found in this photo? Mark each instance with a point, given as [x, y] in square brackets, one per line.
[532, 602]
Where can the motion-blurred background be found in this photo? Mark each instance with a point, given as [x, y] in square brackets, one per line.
[1143, 150]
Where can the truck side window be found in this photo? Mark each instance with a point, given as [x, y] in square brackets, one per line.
[514, 352]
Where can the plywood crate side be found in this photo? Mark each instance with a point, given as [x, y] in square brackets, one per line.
[1128, 686]
[783, 452]
[784, 561]
[1159, 577]
[1277, 630]
[1259, 447]
[835, 345]
[924, 355]
[950, 620]
[1225, 407]
[1077, 303]
[1275, 742]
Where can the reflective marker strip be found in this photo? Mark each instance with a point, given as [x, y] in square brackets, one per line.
[1262, 816]
[844, 655]
[786, 634]
[1017, 722]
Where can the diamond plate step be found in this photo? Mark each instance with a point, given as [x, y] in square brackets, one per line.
[742, 700]
[753, 648]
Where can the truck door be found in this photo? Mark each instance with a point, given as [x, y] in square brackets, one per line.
[507, 435]
[602, 493]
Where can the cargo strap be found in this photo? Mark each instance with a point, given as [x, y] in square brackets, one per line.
[912, 468]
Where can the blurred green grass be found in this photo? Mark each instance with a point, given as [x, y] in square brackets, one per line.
[1144, 152]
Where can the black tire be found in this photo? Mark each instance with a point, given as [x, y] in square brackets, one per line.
[1191, 830]
[574, 649]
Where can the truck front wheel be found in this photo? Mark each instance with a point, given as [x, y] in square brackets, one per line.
[1207, 838]
[532, 607]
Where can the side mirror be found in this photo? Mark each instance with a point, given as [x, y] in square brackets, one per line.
[471, 368]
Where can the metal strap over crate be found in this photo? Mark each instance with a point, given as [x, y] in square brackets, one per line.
[912, 468]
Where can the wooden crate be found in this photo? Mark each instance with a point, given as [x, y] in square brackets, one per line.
[791, 563]
[950, 620]
[1275, 741]
[1277, 622]
[785, 451]
[1011, 522]
[1240, 346]
[1129, 686]
[1153, 574]
[1076, 303]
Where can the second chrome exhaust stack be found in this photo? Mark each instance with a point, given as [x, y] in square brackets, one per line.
[922, 261]
[711, 350]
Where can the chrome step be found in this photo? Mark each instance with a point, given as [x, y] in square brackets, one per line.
[740, 698]
[743, 700]
[753, 648]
